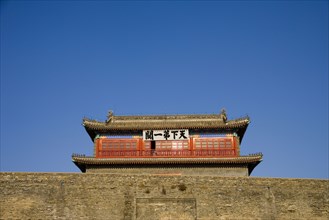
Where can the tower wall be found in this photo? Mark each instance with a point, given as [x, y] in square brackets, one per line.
[195, 171]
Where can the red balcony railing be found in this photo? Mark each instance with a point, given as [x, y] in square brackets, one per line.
[167, 153]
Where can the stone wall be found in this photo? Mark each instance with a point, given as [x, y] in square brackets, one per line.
[120, 196]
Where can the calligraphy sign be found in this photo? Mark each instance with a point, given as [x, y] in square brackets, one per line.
[163, 135]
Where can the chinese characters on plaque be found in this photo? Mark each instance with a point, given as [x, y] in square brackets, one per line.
[163, 135]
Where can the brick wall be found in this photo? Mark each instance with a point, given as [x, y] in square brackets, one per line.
[196, 171]
[120, 196]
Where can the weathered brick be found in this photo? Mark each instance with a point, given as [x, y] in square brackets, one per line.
[123, 196]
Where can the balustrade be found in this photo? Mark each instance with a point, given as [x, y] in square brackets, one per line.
[167, 153]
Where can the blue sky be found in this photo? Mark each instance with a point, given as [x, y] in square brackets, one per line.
[64, 60]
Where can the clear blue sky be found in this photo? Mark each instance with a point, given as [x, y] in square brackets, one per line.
[61, 61]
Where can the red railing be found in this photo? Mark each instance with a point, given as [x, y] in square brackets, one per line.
[167, 153]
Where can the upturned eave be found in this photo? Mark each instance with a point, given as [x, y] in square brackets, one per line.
[250, 161]
[136, 124]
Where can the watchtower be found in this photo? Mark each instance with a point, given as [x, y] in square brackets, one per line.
[202, 144]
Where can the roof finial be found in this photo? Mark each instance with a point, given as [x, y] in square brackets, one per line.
[223, 115]
[109, 116]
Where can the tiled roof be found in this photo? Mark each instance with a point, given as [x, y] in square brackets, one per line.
[126, 124]
[132, 161]
[251, 161]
